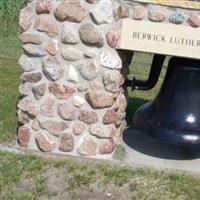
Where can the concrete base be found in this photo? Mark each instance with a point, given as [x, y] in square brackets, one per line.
[146, 151]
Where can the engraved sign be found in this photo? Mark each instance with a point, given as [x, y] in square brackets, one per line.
[174, 3]
[161, 38]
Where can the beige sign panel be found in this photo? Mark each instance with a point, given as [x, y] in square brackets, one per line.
[175, 3]
[160, 38]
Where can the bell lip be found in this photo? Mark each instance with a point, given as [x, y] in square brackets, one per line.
[175, 138]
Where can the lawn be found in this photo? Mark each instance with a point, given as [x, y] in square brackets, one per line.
[32, 177]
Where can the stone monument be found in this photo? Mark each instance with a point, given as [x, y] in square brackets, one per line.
[72, 100]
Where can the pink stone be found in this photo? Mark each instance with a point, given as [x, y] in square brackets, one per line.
[88, 147]
[54, 127]
[106, 147]
[99, 99]
[89, 117]
[194, 20]
[43, 6]
[113, 36]
[44, 142]
[110, 116]
[31, 77]
[26, 17]
[47, 107]
[139, 12]
[70, 10]
[62, 91]
[46, 23]
[24, 136]
[79, 128]
[52, 47]
[28, 105]
[66, 142]
[67, 111]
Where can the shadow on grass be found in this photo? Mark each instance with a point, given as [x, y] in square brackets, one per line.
[133, 105]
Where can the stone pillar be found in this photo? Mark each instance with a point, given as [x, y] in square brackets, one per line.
[72, 99]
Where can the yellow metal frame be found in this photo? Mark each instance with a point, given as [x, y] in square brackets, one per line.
[174, 3]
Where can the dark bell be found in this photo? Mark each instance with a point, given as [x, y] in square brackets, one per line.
[174, 115]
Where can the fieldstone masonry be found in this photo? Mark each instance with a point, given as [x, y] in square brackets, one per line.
[72, 96]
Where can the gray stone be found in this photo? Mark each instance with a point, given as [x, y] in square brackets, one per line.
[83, 87]
[54, 127]
[177, 17]
[67, 112]
[69, 35]
[112, 80]
[89, 72]
[31, 38]
[47, 107]
[25, 88]
[52, 68]
[103, 12]
[71, 54]
[34, 50]
[66, 142]
[90, 35]
[157, 13]
[39, 91]
[29, 63]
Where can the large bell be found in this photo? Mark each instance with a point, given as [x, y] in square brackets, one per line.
[174, 115]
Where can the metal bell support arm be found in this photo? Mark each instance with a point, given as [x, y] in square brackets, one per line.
[156, 67]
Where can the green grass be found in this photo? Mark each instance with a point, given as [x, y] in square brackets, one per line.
[30, 177]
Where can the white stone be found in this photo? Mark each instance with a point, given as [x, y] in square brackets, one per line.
[110, 59]
[72, 75]
[78, 101]
[69, 36]
[101, 131]
[103, 12]
[29, 63]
